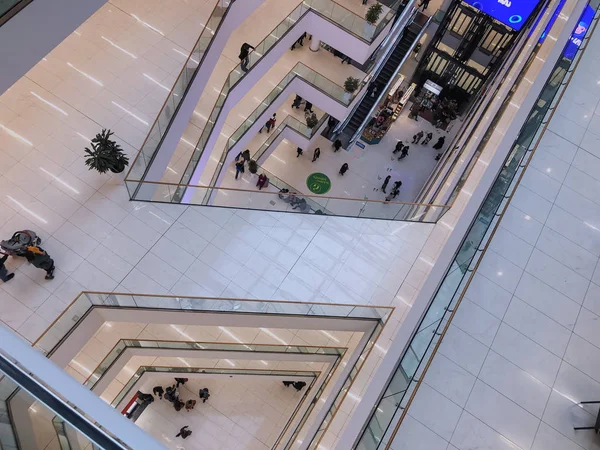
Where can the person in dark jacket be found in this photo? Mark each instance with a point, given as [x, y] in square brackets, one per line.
[316, 154]
[308, 106]
[344, 168]
[428, 137]
[204, 394]
[300, 41]
[4, 275]
[184, 432]
[404, 153]
[180, 381]
[40, 259]
[337, 145]
[297, 102]
[244, 56]
[158, 390]
[440, 143]
[239, 168]
[299, 152]
[299, 385]
[385, 183]
[399, 147]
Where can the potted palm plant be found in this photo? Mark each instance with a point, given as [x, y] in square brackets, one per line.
[371, 17]
[105, 154]
[350, 86]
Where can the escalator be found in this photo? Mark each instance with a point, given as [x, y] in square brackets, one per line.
[386, 73]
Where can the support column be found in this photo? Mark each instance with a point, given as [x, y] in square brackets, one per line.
[315, 44]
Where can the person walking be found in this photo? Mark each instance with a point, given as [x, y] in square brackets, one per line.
[404, 153]
[189, 405]
[262, 179]
[337, 145]
[316, 154]
[297, 102]
[299, 152]
[397, 185]
[40, 259]
[4, 275]
[244, 56]
[270, 123]
[417, 137]
[299, 385]
[239, 168]
[180, 381]
[184, 432]
[308, 106]
[287, 383]
[344, 168]
[158, 390]
[440, 143]
[428, 137]
[399, 147]
[385, 183]
[246, 155]
[204, 394]
[331, 123]
[424, 4]
[300, 41]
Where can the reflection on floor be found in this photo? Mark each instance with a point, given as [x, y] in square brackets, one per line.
[368, 166]
[322, 62]
[242, 413]
[103, 242]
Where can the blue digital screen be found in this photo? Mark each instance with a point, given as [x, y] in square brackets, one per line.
[513, 13]
[550, 24]
[578, 34]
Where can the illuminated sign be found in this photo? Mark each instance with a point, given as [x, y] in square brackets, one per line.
[513, 13]
[579, 33]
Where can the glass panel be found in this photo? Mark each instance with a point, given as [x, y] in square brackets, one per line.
[420, 349]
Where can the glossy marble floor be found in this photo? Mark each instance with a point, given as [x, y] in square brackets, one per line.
[322, 62]
[241, 413]
[368, 166]
[101, 241]
[524, 347]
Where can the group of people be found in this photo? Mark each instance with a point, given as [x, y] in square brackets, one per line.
[395, 188]
[298, 385]
[417, 139]
[171, 394]
[35, 255]
[298, 101]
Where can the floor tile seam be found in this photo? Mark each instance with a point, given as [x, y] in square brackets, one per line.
[550, 396]
[304, 62]
[136, 150]
[424, 425]
[164, 36]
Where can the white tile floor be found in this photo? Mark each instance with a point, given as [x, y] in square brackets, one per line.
[241, 413]
[524, 347]
[368, 167]
[102, 241]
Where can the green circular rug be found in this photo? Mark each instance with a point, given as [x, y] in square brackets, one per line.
[318, 183]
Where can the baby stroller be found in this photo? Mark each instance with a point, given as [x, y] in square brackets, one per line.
[18, 243]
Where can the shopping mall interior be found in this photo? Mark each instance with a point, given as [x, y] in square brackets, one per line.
[299, 224]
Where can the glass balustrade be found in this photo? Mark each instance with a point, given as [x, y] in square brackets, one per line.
[289, 122]
[124, 344]
[26, 404]
[332, 11]
[395, 400]
[300, 70]
[78, 309]
[274, 201]
[177, 93]
[87, 300]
